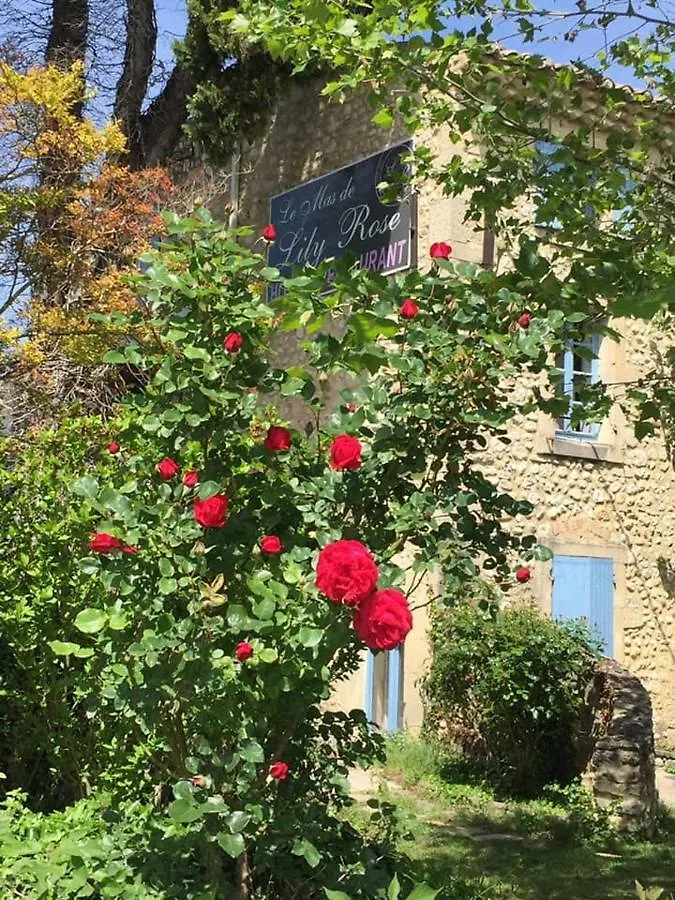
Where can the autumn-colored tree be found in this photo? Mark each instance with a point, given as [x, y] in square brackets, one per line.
[73, 223]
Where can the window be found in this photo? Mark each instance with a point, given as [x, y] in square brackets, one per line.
[578, 364]
[384, 689]
[553, 158]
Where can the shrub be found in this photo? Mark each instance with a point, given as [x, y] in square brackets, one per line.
[47, 742]
[507, 687]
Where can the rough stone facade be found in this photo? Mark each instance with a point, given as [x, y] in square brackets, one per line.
[619, 753]
[614, 498]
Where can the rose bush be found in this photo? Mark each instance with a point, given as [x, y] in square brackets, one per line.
[215, 654]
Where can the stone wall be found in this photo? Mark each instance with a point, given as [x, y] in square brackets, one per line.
[619, 749]
[614, 499]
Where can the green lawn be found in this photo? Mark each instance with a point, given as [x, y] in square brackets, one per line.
[472, 846]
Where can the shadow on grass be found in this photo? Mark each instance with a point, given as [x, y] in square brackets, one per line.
[525, 870]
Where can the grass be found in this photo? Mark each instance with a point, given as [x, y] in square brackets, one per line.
[558, 847]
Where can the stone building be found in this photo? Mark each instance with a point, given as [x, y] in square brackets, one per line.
[604, 502]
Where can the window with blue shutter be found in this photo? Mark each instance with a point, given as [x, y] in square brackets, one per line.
[583, 588]
[579, 367]
[384, 689]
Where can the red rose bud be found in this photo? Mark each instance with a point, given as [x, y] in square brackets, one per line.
[269, 232]
[346, 572]
[440, 250]
[345, 453]
[243, 651]
[278, 438]
[352, 407]
[131, 551]
[191, 479]
[212, 512]
[409, 309]
[199, 781]
[279, 771]
[113, 447]
[271, 544]
[383, 620]
[168, 468]
[233, 342]
[524, 320]
[102, 542]
[523, 575]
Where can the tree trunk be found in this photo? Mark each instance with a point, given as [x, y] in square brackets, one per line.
[244, 882]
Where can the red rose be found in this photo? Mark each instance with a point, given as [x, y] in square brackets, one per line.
[269, 232]
[352, 407]
[113, 447]
[271, 544]
[345, 453]
[408, 309]
[523, 575]
[346, 572]
[440, 250]
[168, 467]
[279, 771]
[212, 512]
[383, 620]
[243, 651]
[132, 551]
[524, 320]
[199, 781]
[278, 438]
[233, 342]
[191, 479]
[102, 542]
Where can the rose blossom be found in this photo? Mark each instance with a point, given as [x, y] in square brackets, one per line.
[233, 342]
[191, 479]
[523, 575]
[278, 438]
[243, 651]
[345, 453]
[212, 512]
[409, 309]
[440, 250]
[271, 544]
[346, 572]
[168, 468]
[524, 320]
[102, 542]
[383, 620]
[131, 551]
[113, 447]
[279, 771]
[269, 233]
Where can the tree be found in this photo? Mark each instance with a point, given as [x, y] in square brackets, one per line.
[606, 183]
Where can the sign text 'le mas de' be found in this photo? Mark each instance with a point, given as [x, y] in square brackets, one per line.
[347, 210]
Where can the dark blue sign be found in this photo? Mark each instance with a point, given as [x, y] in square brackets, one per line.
[348, 210]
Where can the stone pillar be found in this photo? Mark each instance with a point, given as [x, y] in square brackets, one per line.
[617, 746]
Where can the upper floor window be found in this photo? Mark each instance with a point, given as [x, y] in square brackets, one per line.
[555, 159]
[578, 364]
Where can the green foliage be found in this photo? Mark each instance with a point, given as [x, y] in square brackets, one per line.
[47, 741]
[508, 688]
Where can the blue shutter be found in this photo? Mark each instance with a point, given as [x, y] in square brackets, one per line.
[393, 690]
[583, 587]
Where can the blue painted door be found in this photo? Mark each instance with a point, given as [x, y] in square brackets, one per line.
[583, 587]
[384, 689]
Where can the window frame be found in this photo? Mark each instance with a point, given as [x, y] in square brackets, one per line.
[568, 373]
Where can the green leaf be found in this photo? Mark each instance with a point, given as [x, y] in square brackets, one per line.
[238, 820]
[423, 892]
[87, 486]
[366, 327]
[90, 620]
[237, 617]
[336, 895]
[165, 567]
[309, 637]
[251, 751]
[264, 609]
[383, 118]
[117, 621]
[167, 585]
[268, 655]
[307, 849]
[394, 889]
[232, 844]
[184, 811]
[191, 352]
[63, 648]
[114, 357]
